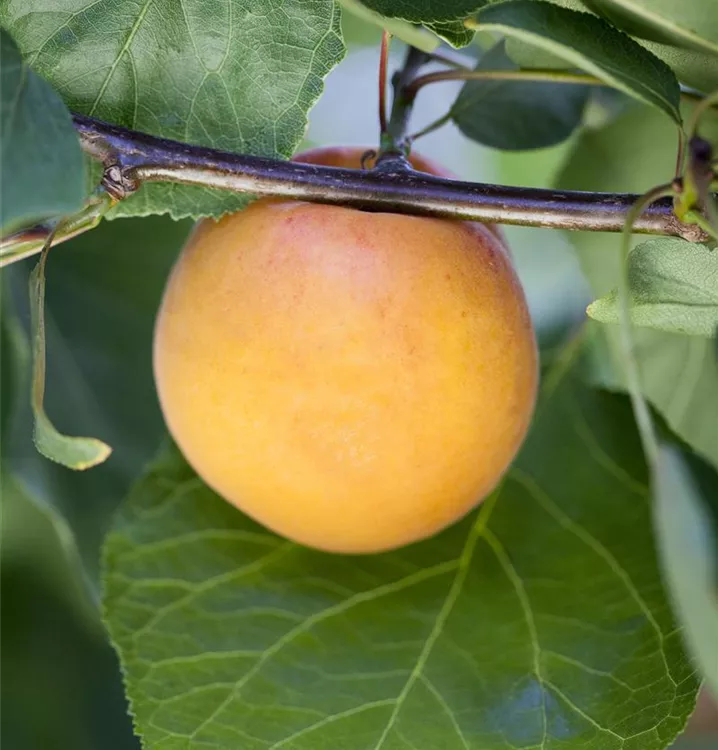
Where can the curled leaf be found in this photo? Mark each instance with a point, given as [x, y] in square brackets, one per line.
[74, 452]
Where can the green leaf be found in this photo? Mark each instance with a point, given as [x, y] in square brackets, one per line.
[409, 33]
[538, 621]
[529, 56]
[233, 75]
[679, 372]
[426, 11]
[513, 115]
[55, 652]
[426, 38]
[74, 452]
[692, 68]
[692, 24]
[101, 298]
[695, 69]
[591, 44]
[674, 286]
[686, 520]
[14, 356]
[42, 172]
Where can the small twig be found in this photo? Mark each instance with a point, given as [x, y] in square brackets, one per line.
[464, 73]
[131, 158]
[680, 153]
[394, 146]
[150, 159]
[30, 241]
[144, 158]
[430, 128]
[458, 61]
[543, 76]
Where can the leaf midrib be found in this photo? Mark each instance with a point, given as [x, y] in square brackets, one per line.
[125, 47]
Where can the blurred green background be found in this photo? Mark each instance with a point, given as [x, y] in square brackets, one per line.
[61, 683]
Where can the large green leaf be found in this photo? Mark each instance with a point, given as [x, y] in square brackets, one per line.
[589, 43]
[529, 56]
[692, 24]
[679, 372]
[513, 115]
[102, 293]
[539, 621]
[686, 520]
[674, 287]
[42, 171]
[237, 75]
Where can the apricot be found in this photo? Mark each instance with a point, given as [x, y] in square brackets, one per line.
[353, 380]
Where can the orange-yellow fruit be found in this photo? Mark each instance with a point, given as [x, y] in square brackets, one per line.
[355, 381]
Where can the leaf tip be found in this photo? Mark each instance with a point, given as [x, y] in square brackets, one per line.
[76, 453]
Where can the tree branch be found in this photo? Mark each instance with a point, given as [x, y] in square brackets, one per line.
[138, 157]
[131, 158]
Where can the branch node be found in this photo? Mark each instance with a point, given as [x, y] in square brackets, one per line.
[688, 232]
[392, 162]
[119, 181]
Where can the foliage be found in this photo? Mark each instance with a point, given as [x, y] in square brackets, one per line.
[689, 25]
[587, 42]
[679, 372]
[239, 76]
[517, 116]
[423, 11]
[42, 167]
[489, 635]
[98, 323]
[60, 672]
[686, 511]
[672, 287]
[576, 608]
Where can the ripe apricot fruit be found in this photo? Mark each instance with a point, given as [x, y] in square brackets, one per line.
[352, 380]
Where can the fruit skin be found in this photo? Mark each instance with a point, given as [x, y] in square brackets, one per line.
[355, 381]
